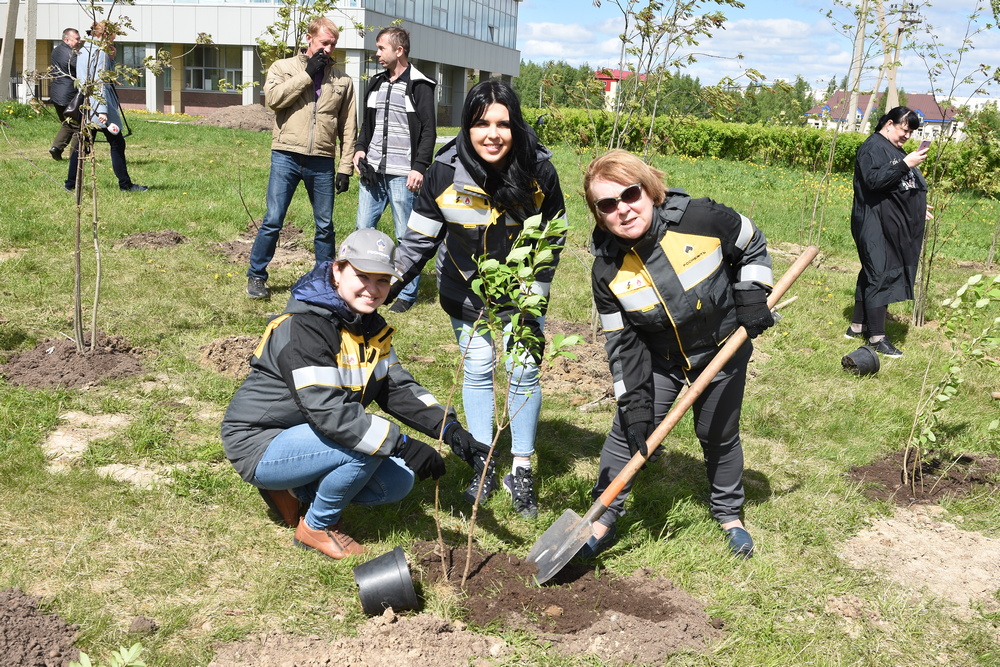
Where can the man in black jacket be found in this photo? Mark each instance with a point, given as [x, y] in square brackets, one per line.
[396, 144]
[62, 88]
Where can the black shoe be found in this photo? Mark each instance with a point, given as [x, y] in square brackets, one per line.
[56, 153]
[489, 486]
[135, 188]
[886, 348]
[521, 488]
[68, 189]
[594, 546]
[401, 306]
[257, 289]
[851, 333]
[740, 543]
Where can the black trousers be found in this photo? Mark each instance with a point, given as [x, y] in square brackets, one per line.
[717, 426]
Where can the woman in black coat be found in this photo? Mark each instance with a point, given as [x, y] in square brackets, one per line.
[887, 222]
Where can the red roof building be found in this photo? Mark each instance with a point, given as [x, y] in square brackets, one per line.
[934, 120]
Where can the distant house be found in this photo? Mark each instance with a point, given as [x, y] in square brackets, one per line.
[935, 121]
[612, 78]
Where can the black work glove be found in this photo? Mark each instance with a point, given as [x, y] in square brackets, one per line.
[752, 311]
[343, 182]
[464, 445]
[316, 63]
[420, 457]
[533, 343]
[635, 436]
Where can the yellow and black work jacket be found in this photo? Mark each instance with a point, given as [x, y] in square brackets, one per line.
[322, 364]
[670, 293]
[455, 217]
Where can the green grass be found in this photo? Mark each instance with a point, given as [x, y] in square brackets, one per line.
[201, 557]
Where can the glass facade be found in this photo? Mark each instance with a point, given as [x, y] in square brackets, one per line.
[493, 21]
[205, 66]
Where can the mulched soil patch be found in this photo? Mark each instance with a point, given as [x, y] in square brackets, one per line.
[230, 355]
[254, 117]
[55, 363]
[162, 239]
[944, 475]
[575, 606]
[290, 249]
[29, 638]
[587, 378]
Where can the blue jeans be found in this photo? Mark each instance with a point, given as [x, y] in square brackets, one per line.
[287, 170]
[118, 164]
[330, 476]
[372, 202]
[524, 394]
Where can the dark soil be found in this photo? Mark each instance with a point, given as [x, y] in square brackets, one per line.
[30, 638]
[163, 239]
[55, 363]
[254, 117]
[501, 590]
[943, 475]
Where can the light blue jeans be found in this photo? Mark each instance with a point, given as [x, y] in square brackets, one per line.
[287, 170]
[388, 190]
[524, 394]
[330, 476]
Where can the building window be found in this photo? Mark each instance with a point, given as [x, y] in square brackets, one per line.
[207, 65]
[131, 55]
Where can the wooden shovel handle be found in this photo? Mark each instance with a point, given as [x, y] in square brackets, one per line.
[682, 404]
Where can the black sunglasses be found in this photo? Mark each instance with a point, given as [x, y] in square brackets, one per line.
[630, 195]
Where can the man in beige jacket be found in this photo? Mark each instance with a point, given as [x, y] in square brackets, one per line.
[313, 102]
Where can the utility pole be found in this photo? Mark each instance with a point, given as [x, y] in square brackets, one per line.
[30, 51]
[7, 50]
[905, 21]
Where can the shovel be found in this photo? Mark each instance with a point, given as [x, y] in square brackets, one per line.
[563, 539]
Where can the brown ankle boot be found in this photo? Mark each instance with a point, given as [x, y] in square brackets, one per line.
[284, 504]
[329, 541]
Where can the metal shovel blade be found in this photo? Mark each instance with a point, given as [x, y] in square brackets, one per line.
[559, 544]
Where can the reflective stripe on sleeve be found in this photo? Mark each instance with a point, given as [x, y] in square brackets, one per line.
[424, 225]
[374, 437]
[746, 232]
[619, 389]
[612, 321]
[756, 273]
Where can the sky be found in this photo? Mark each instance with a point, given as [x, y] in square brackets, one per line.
[779, 38]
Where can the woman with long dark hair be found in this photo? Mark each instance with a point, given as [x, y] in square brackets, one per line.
[887, 221]
[474, 200]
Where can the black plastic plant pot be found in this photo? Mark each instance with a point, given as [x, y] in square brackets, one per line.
[863, 361]
[385, 582]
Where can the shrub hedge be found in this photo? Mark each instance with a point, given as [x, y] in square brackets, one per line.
[968, 165]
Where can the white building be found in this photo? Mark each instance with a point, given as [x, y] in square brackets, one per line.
[455, 42]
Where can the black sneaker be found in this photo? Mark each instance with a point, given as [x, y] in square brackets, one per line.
[886, 348]
[401, 306]
[521, 488]
[489, 486]
[257, 289]
[135, 188]
[851, 333]
[56, 153]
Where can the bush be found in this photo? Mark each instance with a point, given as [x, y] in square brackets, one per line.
[966, 163]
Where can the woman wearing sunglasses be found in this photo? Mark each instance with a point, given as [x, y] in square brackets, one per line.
[673, 278]
[476, 195]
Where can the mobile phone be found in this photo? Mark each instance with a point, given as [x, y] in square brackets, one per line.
[924, 144]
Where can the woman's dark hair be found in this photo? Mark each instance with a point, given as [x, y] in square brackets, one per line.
[899, 116]
[512, 187]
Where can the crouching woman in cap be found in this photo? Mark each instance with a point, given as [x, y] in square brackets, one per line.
[298, 429]
[673, 278]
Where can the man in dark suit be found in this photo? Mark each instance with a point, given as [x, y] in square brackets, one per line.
[62, 88]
